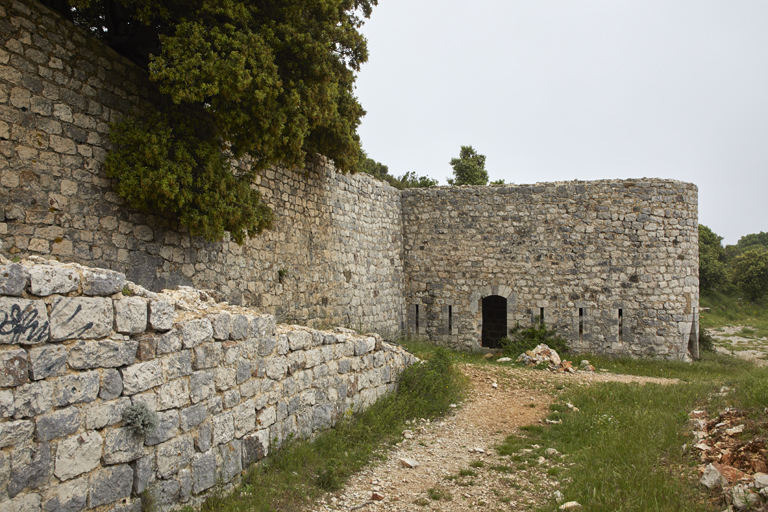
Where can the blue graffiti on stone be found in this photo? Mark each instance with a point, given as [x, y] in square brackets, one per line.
[23, 323]
[81, 330]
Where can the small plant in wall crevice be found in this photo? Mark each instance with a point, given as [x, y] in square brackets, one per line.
[140, 419]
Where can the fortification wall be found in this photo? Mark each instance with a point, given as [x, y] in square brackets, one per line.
[334, 257]
[76, 352]
[579, 252]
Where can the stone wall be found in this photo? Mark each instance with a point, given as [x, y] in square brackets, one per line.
[577, 252]
[334, 257]
[78, 346]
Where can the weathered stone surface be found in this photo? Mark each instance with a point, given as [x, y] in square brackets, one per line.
[169, 342]
[109, 485]
[111, 384]
[239, 327]
[31, 467]
[46, 280]
[266, 417]
[104, 414]
[69, 496]
[101, 282]
[226, 378]
[77, 455]
[230, 398]
[167, 428]
[220, 324]
[25, 503]
[13, 279]
[192, 416]
[203, 472]
[201, 386]
[173, 455]
[47, 361]
[121, 445]
[223, 428]
[143, 473]
[231, 455]
[299, 340]
[76, 389]
[130, 315]
[173, 395]
[6, 403]
[195, 332]
[207, 355]
[267, 345]
[277, 367]
[32, 399]
[243, 371]
[165, 492]
[23, 321]
[263, 327]
[204, 436]
[80, 318]
[255, 447]
[60, 423]
[107, 353]
[13, 368]
[178, 364]
[185, 485]
[245, 418]
[161, 315]
[142, 376]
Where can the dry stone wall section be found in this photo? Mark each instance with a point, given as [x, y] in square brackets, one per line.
[613, 265]
[79, 346]
[334, 257]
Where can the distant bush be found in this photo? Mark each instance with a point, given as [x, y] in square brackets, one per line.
[521, 340]
[706, 342]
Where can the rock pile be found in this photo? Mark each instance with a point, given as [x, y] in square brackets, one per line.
[543, 354]
[738, 468]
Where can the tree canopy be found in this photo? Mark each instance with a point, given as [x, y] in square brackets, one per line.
[273, 79]
[380, 171]
[712, 268]
[469, 168]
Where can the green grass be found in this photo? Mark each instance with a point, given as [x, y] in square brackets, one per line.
[301, 470]
[728, 310]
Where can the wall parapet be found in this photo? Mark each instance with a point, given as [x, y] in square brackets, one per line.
[79, 345]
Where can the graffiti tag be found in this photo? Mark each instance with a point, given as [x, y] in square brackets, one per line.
[23, 323]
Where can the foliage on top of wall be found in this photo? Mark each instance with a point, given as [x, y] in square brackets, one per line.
[274, 78]
[469, 168]
[380, 171]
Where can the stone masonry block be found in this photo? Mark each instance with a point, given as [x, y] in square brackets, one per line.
[109, 485]
[174, 455]
[106, 353]
[173, 395]
[223, 428]
[192, 416]
[60, 423]
[239, 327]
[201, 386]
[6, 403]
[195, 332]
[203, 472]
[177, 365]
[111, 384]
[142, 376]
[13, 279]
[130, 315]
[104, 414]
[32, 399]
[161, 315]
[207, 355]
[80, 318]
[23, 321]
[169, 342]
[220, 324]
[76, 388]
[31, 467]
[299, 340]
[167, 428]
[47, 361]
[46, 280]
[101, 282]
[69, 496]
[255, 447]
[121, 445]
[245, 418]
[263, 326]
[13, 368]
[77, 455]
[231, 456]
[15, 432]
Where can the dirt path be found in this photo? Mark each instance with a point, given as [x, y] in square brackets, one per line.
[458, 465]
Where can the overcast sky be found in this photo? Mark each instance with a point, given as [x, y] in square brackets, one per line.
[554, 90]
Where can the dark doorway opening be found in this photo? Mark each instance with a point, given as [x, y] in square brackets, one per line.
[494, 320]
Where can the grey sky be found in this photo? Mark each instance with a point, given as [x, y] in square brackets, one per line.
[555, 90]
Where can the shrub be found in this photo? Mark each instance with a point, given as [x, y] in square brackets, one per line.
[521, 340]
[140, 419]
[706, 342]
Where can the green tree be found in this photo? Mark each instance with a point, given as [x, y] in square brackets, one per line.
[754, 239]
[380, 171]
[749, 272]
[273, 79]
[469, 168]
[712, 268]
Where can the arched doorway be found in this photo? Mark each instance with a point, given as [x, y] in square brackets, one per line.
[494, 320]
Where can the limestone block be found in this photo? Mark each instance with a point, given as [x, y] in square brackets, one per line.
[203, 472]
[169, 342]
[25, 503]
[230, 398]
[243, 371]
[195, 332]
[69, 496]
[106, 353]
[31, 467]
[109, 485]
[220, 324]
[231, 456]
[173, 455]
[208, 355]
[263, 327]
[223, 428]
[266, 417]
[78, 454]
[299, 340]
[13, 279]
[142, 376]
[130, 315]
[282, 345]
[143, 473]
[14, 433]
[239, 327]
[104, 414]
[314, 357]
[101, 282]
[46, 280]
[60, 423]
[6, 403]
[255, 447]
[161, 315]
[296, 361]
[245, 418]
[47, 361]
[121, 445]
[167, 428]
[267, 345]
[13, 368]
[23, 321]
[111, 384]
[201, 386]
[226, 378]
[185, 485]
[192, 416]
[277, 367]
[165, 492]
[204, 436]
[32, 399]
[76, 388]
[80, 318]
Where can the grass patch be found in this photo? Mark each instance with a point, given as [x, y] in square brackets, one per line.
[477, 464]
[728, 310]
[301, 471]
[467, 472]
[436, 494]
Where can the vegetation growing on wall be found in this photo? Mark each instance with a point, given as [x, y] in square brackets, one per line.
[469, 168]
[271, 79]
[380, 171]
